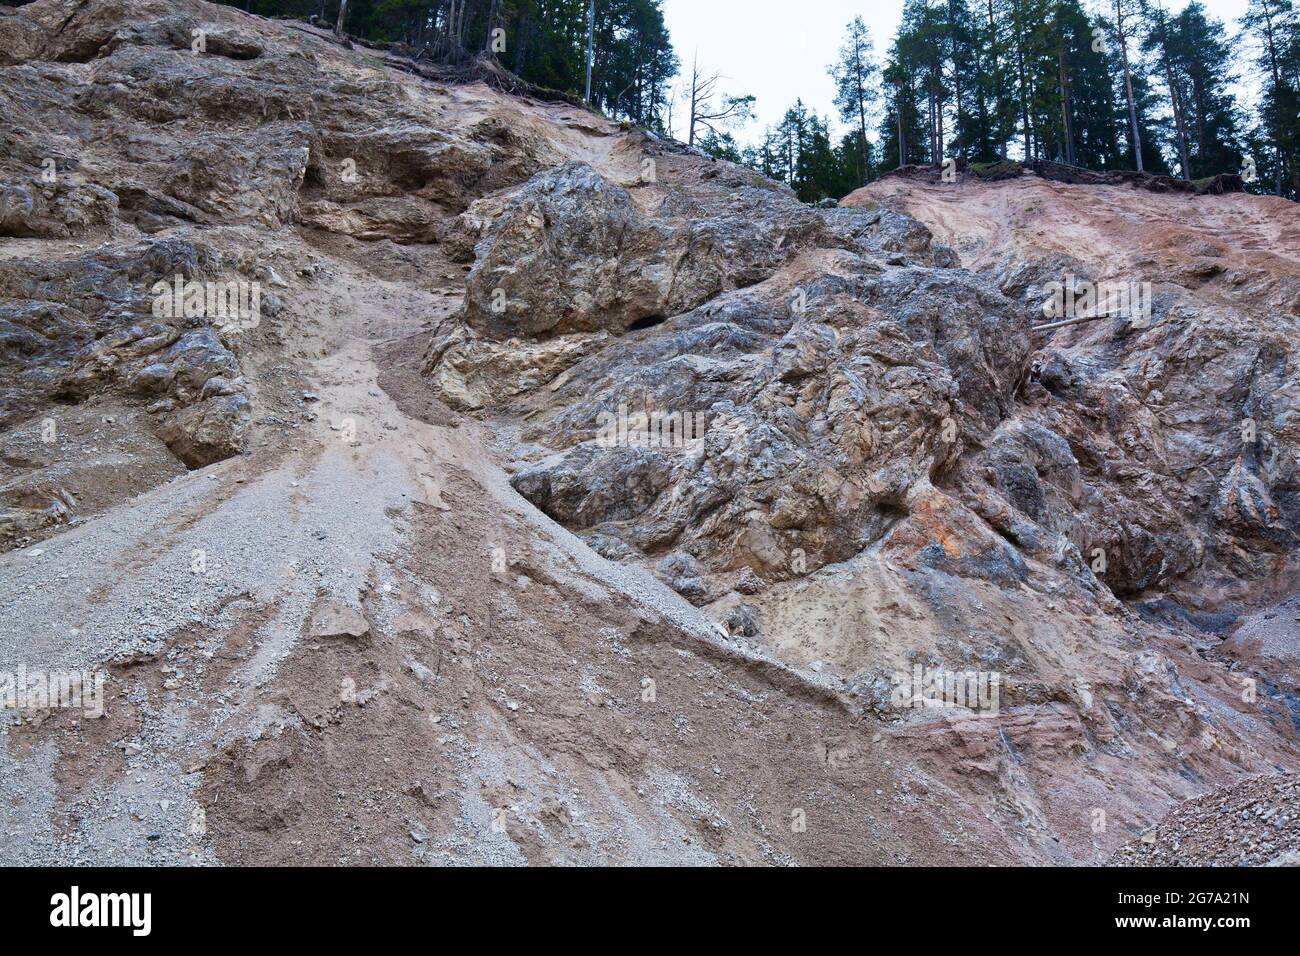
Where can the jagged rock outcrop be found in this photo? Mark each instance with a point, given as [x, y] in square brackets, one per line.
[819, 425]
[78, 328]
[807, 456]
[1182, 424]
[571, 252]
[874, 412]
[125, 120]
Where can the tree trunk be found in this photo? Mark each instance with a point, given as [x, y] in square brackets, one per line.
[494, 12]
[1277, 85]
[343, 14]
[523, 37]
[1067, 124]
[1024, 82]
[956, 89]
[997, 81]
[1128, 86]
[591, 29]
[1198, 100]
[1174, 98]
[862, 112]
[1110, 113]
[690, 123]
[902, 142]
[940, 145]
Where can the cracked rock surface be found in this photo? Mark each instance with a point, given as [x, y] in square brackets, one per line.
[578, 499]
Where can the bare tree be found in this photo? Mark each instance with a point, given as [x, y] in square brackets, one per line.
[732, 109]
[343, 14]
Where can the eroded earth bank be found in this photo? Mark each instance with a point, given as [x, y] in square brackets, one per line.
[370, 583]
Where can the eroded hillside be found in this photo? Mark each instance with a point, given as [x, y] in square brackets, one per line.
[373, 581]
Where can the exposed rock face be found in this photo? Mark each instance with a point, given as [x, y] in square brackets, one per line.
[1183, 426]
[139, 124]
[819, 425]
[842, 384]
[835, 389]
[58, 211]
[888, 448]
[80, 328]
[827, 394]
[812, 460]
[572, 253]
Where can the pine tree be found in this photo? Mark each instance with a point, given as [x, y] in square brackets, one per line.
[972, 119]
[798, 152]
[1202, 61]
[1157, 43]
[856, 90]
[902, 131]
[720, 146]
[1273, 24]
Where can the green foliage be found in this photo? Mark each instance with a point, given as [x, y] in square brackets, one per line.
[798, 152]
[719, 146]
[1274, 140]
[1043, 79]
[857, 88]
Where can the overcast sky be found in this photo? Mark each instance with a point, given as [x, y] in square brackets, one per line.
[778, 50]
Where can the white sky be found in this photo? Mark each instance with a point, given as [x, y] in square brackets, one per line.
[778, 50]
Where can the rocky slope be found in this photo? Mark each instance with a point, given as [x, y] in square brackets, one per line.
[378, 575]
[1250, 824]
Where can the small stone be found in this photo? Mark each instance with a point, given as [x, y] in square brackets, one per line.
[332, 619]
